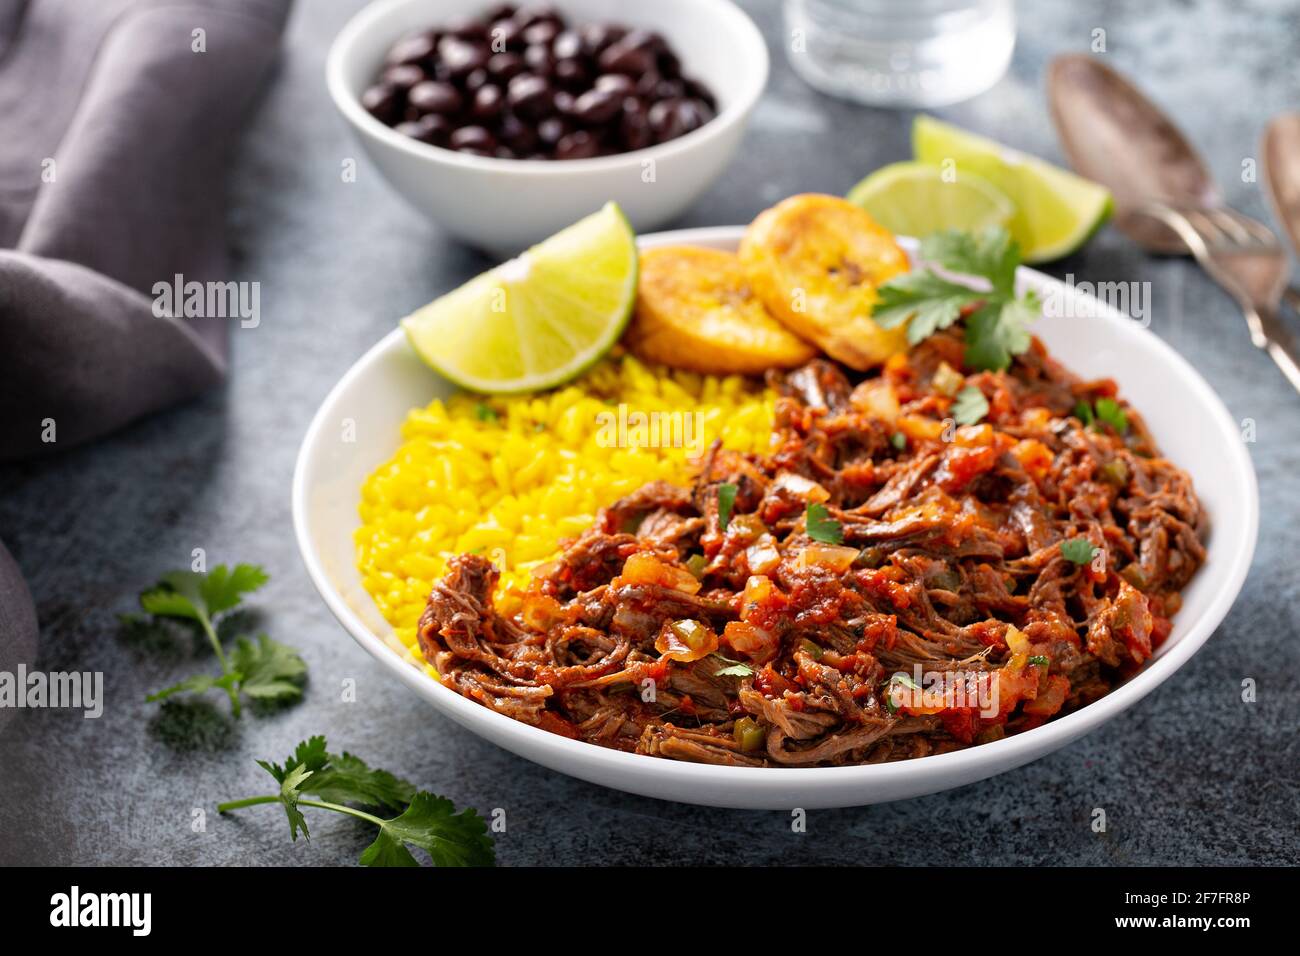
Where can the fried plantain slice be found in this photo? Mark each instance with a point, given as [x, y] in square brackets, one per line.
[695, 310]
[816, 262]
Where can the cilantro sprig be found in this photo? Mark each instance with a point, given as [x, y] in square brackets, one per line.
[970, 406]
[821, 526]
[1105, 410]
[1078, 550]
[928, 301]
[726, 503]
[345, 784]
[261, 669]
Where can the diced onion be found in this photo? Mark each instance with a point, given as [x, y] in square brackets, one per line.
[800, 487]
[834, 557]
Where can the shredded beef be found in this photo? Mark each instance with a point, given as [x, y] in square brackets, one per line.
[664, 630]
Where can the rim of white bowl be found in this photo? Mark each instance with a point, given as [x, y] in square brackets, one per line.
[1006, 753]
[349, 103]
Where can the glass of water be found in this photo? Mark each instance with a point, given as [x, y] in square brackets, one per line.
[900, 53]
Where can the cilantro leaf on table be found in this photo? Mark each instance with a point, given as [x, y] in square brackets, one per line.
[346, 784]
[970, 406]
[268, 670]
[996, 318]
[262, 670]
[821, 526]
[342, 778]
[431, 823]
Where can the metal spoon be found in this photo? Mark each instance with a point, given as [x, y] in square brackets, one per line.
[1165, 198]
[1116, 136]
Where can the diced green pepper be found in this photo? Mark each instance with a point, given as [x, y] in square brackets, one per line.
[749, 733]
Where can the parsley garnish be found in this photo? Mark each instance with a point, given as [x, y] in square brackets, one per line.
[726, 501]
[898, 440]
[970, 406]
[928, 302]
[485, 413]
[1039, 659]
[821, 526]
[264, 670]
[1078, 550]
[345, 784]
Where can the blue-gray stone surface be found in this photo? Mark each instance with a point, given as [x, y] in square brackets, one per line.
[1190, 775]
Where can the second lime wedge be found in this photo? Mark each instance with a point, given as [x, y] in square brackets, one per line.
[917, 199]
[1056, 211]
[541, 318]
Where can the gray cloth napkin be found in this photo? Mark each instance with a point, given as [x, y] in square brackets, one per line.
[117, 123]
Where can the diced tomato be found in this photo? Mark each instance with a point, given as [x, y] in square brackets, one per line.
[960, 465]
[644, 568]
[1052, 699]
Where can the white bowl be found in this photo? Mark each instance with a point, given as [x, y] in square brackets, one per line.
[1188, 421]
[504, 204]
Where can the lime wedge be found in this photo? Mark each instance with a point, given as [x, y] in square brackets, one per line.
[917, 199]
[541, 318]
[1056, 211]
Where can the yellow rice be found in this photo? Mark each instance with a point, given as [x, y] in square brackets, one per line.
[510, 477]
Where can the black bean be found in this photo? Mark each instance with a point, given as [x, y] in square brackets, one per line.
[503, 66]
[564, 101]
[553, 129]
[669, 65]
[505, 35]
[432, 96]
[634, 126]
[577, 145]
[473, 137]
[502, 11]
[530, 96]
[619, 58]
[461, 57]
[475, 79]
[647, 83]
[412, 49]
[432, 129]
[381, 101]
[504, 152]
[572, 73]
[691, 115]
[595, 37]
[403, 76]
[665, 123]
[539, 59]
[515, 133]
[488, 101]
[669, 90]
[542, 32]
[597, 106]
[643, 40]
[567, 45]
[615, 82]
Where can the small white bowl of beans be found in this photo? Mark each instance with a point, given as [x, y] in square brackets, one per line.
[504, 123]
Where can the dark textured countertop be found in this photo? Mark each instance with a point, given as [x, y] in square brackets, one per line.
[1191, 775]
